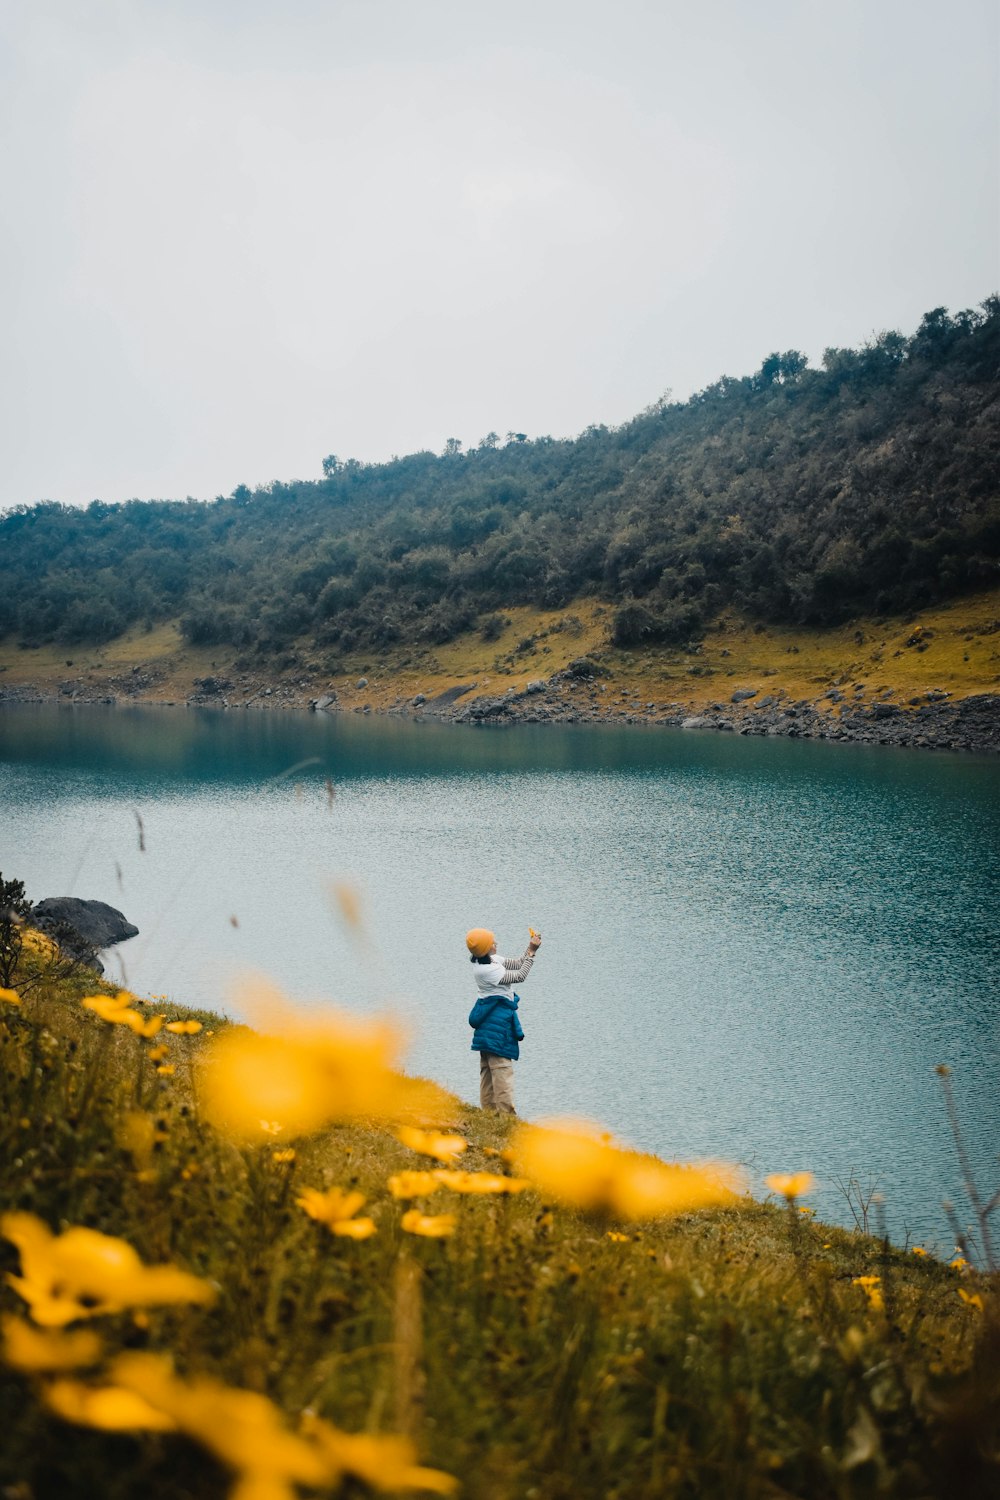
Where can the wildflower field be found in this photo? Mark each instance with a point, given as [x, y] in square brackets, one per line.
[264, 1263]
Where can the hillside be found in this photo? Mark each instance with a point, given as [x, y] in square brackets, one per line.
[790, 498]
[198, 1306]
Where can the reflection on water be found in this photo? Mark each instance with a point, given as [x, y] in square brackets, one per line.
[753, 948]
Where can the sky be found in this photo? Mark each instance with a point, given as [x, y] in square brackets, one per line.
[237, 236]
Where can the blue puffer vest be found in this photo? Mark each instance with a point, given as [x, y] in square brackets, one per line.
[497, 1028]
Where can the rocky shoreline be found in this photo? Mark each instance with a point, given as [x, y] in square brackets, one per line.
[933, 721]
[969, 724]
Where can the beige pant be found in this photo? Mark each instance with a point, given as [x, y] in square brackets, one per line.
[496, 1083]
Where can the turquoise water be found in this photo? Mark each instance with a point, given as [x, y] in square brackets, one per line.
[754, 949]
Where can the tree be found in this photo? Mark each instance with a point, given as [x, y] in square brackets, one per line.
[331, 465]
[490, 440]
[452, 448]
[14, 910]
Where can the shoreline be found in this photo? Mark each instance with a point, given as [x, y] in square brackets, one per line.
[969, 724]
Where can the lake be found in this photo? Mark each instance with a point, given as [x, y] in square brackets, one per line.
[754, 949]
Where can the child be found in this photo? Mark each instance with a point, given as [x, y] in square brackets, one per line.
[494, 1016]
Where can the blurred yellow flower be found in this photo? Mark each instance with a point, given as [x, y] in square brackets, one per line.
[158, 1053]
[84, 1274]
[32, 1350]
[971, 1299]
[244, 1430]
[10, 997]
[116, 1011]
[413, 1184]
[270, 1127]
[354, 1229]
[336, 1209]
[872, 1288]
[809, 1212]
[958, 1264]
[108, 1407]
[311, 1069]
[166, 1070]
[790, 1184]
[183, 1028]
[479, 1182]
[429, 1143]
[919, 1250]
[580, 1165]
[138, 1133]
[382, 1462]
[619, 1239]
[431, 1227]
[283, 1156]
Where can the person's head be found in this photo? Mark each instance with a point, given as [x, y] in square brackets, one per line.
[481, 944]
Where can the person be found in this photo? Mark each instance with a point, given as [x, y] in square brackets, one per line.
[494, 1018]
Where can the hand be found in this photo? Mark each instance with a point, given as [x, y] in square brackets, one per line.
[535, 940]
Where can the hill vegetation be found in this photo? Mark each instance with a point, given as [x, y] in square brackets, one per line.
[322, 1309]
[795, 496]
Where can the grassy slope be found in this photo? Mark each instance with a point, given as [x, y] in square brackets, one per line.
[725, 1353]
[959, 653]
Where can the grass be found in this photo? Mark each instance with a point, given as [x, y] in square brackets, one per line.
[953, 648]
[535, 1354]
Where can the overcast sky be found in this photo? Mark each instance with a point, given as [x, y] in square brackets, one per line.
[238, 235]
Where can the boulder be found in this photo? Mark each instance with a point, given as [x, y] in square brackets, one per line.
[81, 928]
[742, 694]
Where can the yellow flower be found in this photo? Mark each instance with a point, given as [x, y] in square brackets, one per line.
[10, 997]
[166, 1070]
[336, 1209]
[432, 1227]
[183, 1028]
[354, 1229]
[108, 1407]
[919, 1250]
[158, 1053]
[385, 1463]
[84, 1274]
[115, 1010]
[283, 1156]
[959, 1263]
[971, 1299]
[29, 1349]
[429, 1143]
[871, 1286]
[790, 1185]
[413, 1184]
[619, 1239]
[809, 1212]
[480, 1182]
[311, 1069]
[579, 1164]
[244, 1430]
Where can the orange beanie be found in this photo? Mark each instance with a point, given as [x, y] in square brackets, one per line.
[479, 941]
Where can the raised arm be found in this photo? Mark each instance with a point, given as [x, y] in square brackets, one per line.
[519, 968]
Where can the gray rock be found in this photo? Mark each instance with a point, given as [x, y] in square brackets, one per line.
[97, 923]
[697, 722]
[362, 682]
[418, 698]
[325, 701]
[742, 694]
